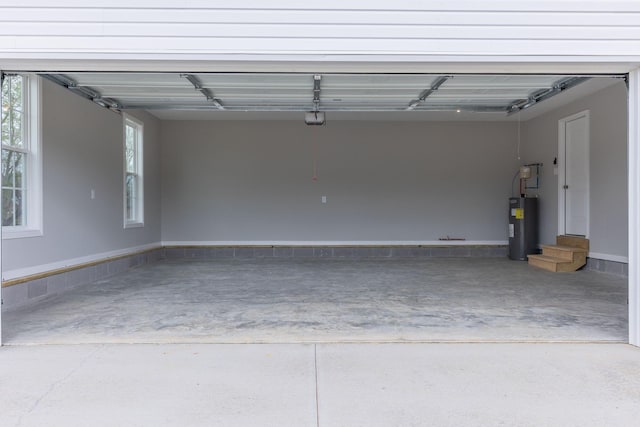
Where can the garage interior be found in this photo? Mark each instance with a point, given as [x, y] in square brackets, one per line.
[386, 223]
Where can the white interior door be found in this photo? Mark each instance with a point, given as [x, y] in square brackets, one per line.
[573, 176]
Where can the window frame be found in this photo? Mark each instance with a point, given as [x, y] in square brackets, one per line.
[32, 113]
[138, 126]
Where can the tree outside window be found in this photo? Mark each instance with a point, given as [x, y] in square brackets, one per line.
[14, 151]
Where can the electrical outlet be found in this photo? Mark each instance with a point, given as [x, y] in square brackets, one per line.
[93, 194]
[324, 199]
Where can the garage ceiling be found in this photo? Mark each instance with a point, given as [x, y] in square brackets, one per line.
[500, 95]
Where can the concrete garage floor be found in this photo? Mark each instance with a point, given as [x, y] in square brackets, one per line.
[315, 300]
[324, 384]
[320, 385]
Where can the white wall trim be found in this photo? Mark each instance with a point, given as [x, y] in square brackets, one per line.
[338, 243]
[43, 268]
[634, 206]
[608, 257]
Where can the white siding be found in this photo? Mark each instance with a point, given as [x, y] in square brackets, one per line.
[548, 30]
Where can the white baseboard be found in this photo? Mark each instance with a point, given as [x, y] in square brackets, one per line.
[43, 268]
[607, 257]
[338, 243]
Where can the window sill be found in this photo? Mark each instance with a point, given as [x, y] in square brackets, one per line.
[134, 225]
[18, 233]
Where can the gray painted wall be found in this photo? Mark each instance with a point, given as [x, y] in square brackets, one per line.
[82, 149]
[252, 181]
[608, 165]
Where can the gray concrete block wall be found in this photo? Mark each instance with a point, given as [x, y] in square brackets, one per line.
[302, 252]
[174, 253]
[247, 252]
[35, 290]
[283, 252]
[14, 296]
[606, 266]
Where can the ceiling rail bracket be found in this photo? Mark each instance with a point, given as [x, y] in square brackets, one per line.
[84, 91]
[543, 94]
[427, 92]
[316, 92]
[197, 85]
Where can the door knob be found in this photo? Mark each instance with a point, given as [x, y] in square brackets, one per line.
[565, 186]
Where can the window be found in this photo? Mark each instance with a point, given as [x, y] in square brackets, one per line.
[21, 167]
[133, 173]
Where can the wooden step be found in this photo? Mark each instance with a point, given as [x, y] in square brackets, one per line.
[549, 263]
[573, 241]
[558, 264]
[567, 253]
[545, 262]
